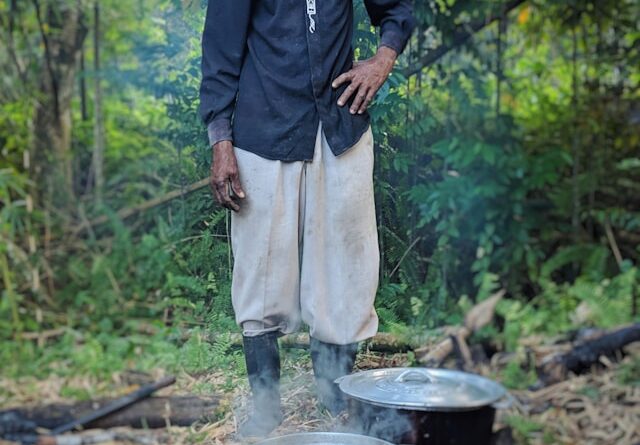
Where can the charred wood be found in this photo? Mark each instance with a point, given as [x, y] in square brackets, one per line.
[153, 412]
[556, 367]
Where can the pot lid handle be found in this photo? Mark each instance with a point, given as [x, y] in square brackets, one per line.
[415, 375]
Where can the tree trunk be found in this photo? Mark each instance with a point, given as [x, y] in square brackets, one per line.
[98, 125]
[82, 83]
[63, 30]
[575, 144]
[502, 27]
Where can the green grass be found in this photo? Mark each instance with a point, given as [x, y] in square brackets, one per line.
[629, 372]
[515, 376]
[100, 355]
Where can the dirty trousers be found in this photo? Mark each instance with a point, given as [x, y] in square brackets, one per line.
[305, 244]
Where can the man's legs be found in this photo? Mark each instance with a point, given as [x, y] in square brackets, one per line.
[264, 237]
[265, 288]
[305, 241]
[340, 260]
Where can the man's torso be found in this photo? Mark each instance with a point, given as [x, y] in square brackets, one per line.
[294, 51]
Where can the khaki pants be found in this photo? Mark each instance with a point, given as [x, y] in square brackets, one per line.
[305, 244]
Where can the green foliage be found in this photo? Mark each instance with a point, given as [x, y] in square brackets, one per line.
[13, 225]
[515, 377]
[508, 166]
[559, 307]
[522, 427]
[523, 195]
[103, 354]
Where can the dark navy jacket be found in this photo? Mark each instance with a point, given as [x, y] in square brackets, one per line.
[267, 68]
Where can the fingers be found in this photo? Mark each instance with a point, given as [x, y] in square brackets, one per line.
[216, 194]
[225, 179]
[236, 188]
[224, 196]
[365, 104]
[360, 100]
[364, 93]
[346, 95]
[342, 78]
[222, 190]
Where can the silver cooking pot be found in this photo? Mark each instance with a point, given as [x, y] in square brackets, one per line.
[423, 406]
[324, 439]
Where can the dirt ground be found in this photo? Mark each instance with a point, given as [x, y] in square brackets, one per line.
[591, 409]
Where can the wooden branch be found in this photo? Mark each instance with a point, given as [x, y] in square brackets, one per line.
[460, 37]
[43, 335]
[130, 211]
[613, 244]
[381, 342]
[479, 316]
[94, 438]
[404, 255]
[153, 412]
[435, 355]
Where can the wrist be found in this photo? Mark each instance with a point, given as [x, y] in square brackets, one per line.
[222, 145]
[387, 53]
[387, 56]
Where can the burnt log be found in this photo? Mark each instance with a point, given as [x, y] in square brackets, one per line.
[582, 357]
[153, 412]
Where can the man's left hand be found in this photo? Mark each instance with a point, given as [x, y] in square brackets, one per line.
[365, 79]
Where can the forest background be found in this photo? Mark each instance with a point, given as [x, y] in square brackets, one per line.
[507, 157]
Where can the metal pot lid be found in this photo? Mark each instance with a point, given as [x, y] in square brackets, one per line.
[422, 389]
[324, 439]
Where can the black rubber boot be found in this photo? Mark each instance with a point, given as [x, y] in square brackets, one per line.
[263, 369]
[330, 362]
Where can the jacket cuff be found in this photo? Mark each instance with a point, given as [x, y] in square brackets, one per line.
[393, 40]
[219, 130]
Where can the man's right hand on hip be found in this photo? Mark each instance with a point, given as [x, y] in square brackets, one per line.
[225, 178]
